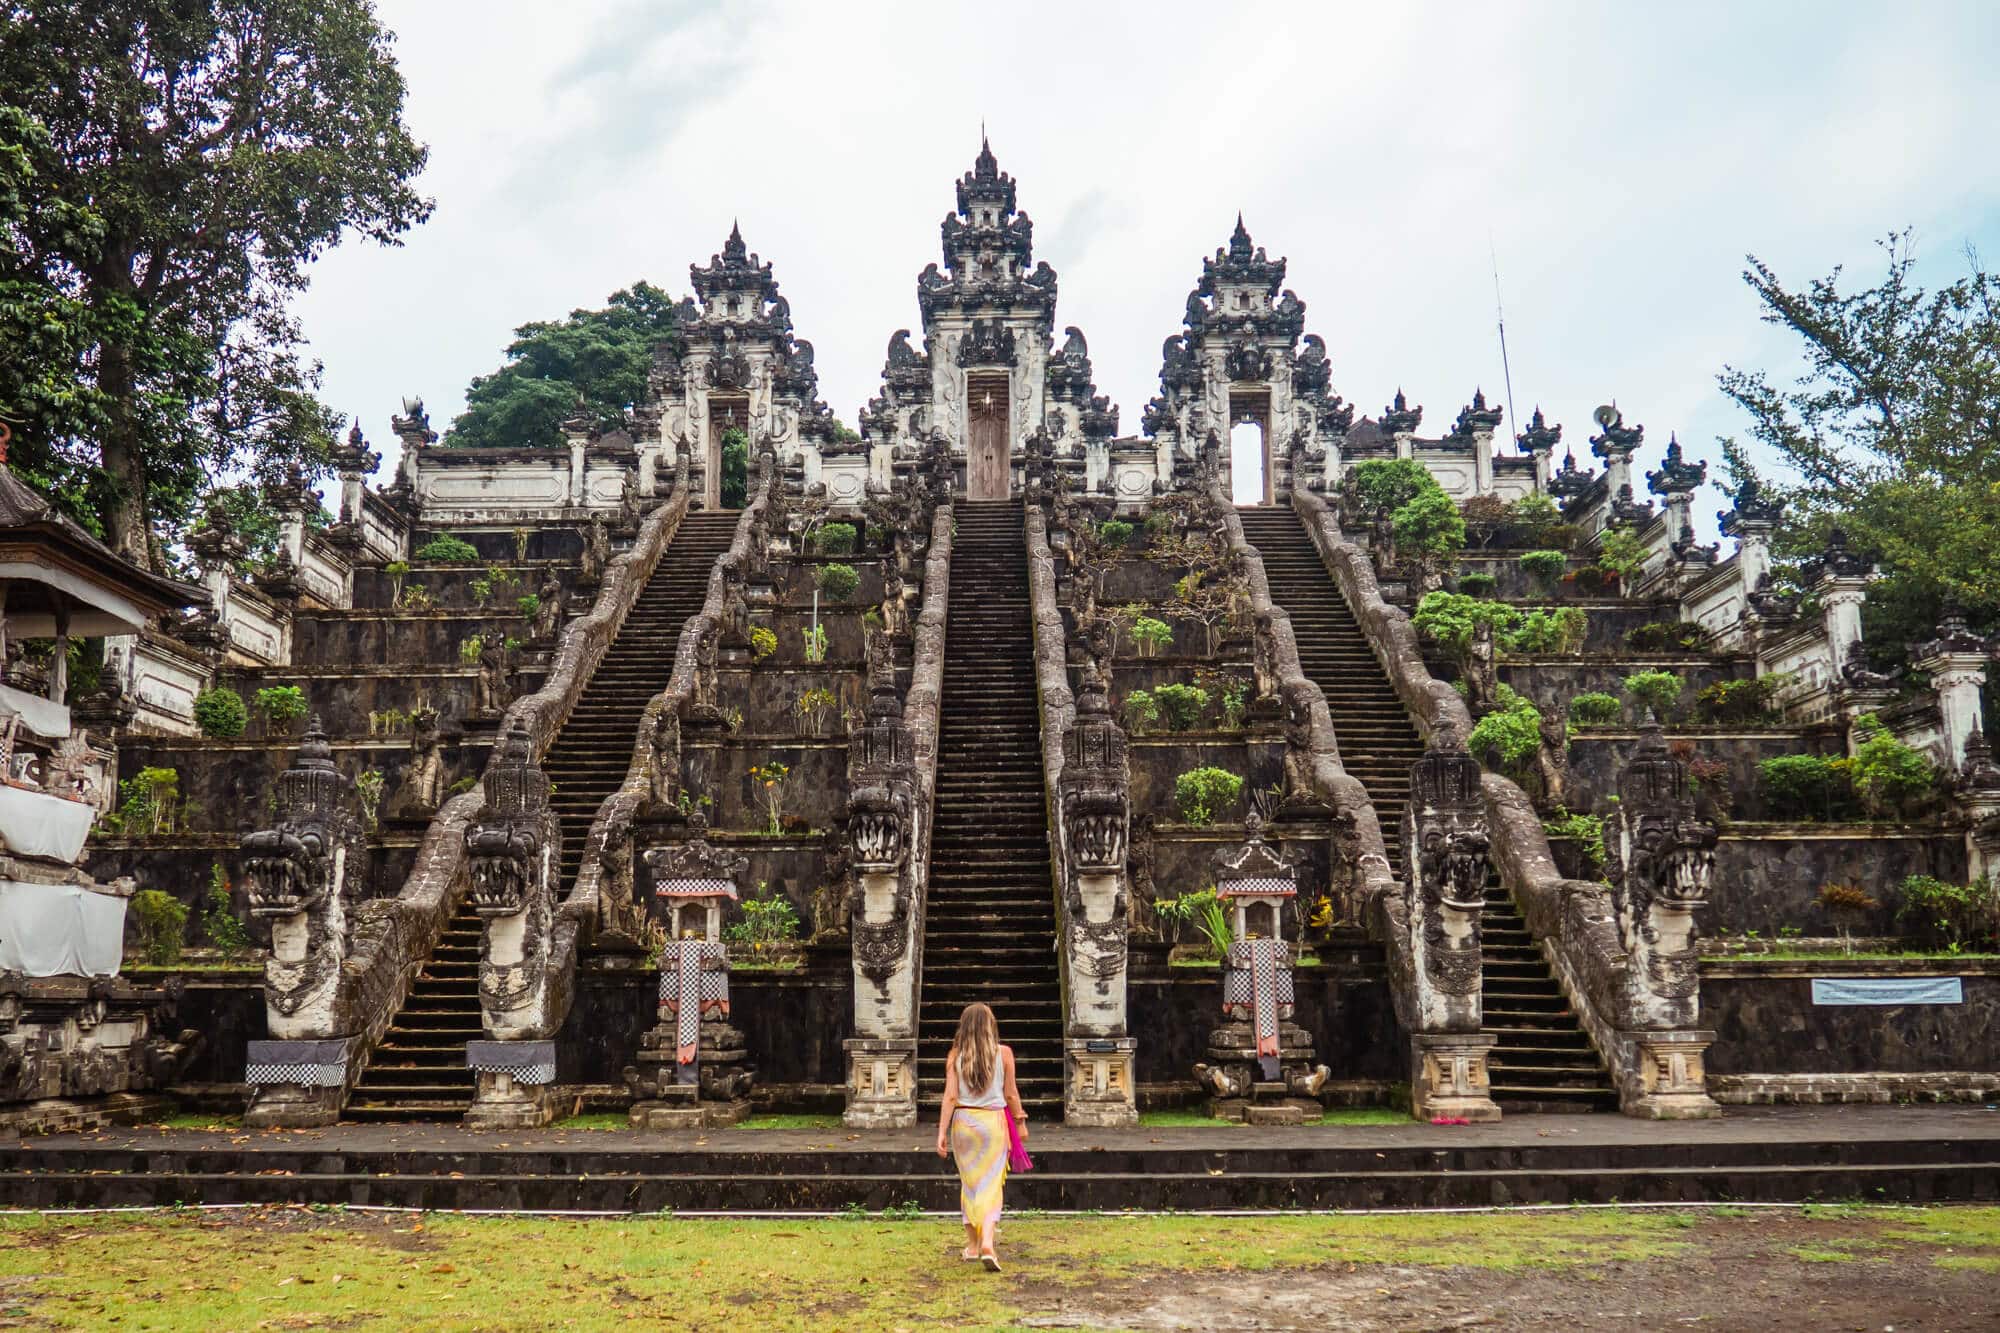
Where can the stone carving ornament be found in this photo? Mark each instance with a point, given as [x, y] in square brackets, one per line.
[1662, 862]
[511, 849]
[300, 876]
[1445, 847]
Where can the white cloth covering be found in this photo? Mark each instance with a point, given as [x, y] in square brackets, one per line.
[57, 930]
[35, 823]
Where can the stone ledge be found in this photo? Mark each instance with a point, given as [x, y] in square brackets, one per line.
[1834, 966]
[1827, 1089]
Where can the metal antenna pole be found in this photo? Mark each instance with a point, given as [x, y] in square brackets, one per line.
[1500, 316]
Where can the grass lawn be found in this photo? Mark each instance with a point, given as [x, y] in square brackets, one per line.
[286, 1268]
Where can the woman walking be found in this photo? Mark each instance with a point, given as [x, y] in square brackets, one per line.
[979, 1096]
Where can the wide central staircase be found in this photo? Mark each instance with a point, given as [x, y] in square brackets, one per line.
[418, 1071]
[989, 931]
[1542, 1060]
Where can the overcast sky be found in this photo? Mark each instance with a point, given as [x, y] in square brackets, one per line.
[1619, 160]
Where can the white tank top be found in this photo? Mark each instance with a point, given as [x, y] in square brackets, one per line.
[995, 1095]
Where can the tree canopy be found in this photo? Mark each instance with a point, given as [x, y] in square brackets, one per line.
[168, 172]
[594, 360]
[1889, 428]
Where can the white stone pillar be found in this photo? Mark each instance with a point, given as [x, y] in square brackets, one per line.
[577, 463]
[1841, 596]
[1482, 461]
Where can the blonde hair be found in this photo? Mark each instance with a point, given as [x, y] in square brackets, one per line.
[976, 1048]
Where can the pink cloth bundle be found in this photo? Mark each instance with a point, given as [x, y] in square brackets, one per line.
[1017, 1152]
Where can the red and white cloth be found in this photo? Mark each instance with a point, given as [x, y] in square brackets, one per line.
[1257, 985]
[690, 992]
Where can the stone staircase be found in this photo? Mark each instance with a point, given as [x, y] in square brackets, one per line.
[989, 931]
[418, 1070]
[1542, 1060]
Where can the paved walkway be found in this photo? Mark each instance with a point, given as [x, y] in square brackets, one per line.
[1819, 1124]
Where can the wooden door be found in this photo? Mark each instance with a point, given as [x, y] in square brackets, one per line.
[986, 463]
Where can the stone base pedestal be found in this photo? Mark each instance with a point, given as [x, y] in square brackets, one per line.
[1098, 1091]
[297, 1084]
[513, 1084]
[881, 1083]
[1449, 1076]
[707, 1094]
[1671, 1081]
[1235, 1077]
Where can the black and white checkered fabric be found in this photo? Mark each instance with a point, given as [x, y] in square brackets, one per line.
[303, 1064]
[694, 888]
[688, 991]
[530, 1062]
[1258, 888]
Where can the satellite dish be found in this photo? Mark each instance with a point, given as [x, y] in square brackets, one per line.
[1607, 416]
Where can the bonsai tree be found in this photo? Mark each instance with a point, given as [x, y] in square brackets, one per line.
[1659, 691]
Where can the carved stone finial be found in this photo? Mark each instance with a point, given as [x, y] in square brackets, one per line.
[1676, 476]
[1399, 418]
[1540, 436]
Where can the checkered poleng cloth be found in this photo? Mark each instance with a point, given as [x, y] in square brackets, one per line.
[1259, 982]
[690, 993]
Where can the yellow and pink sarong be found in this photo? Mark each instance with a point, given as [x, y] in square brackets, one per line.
[979, 1146]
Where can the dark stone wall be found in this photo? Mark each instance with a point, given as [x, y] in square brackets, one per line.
[1766, 881]
[226, 786]
[450, 586]
[1596, 758]
[1544, 680]
[546, 541]
[1766, 1023]
[404, 638]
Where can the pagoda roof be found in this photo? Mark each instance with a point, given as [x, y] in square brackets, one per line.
[48, 561]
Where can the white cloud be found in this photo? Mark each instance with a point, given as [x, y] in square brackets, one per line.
[1618, 160]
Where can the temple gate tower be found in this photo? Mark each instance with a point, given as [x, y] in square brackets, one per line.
[738, 367]
[1238, 362]
[988, 376]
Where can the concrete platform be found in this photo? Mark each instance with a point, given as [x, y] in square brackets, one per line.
[1868, 1153]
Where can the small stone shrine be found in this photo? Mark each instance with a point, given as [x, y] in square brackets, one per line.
[691, 1069]
[1260, 1068]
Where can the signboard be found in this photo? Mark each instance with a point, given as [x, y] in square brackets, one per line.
[1888, 990]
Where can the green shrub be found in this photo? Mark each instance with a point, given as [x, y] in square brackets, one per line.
[1151, 635]
[763, 642]
[1158, 525]
[1181, 705]
[837, 581]
[1665, 636]
[1141, 711]
[1534, 520]
[1235, 704]
[481, 590]
[1561, 630]
[1204, 912]
[1587, 831]
[1387, 484]
[836, 539]
[768, 919]
[813, 643]
[734, 486]
[147, 803]
[463, 785]
[368, 785]
[160, 919]
[1428, 526]
[1202, 792]
[1592, 581]
[470, 647]
[219, 922]
[1513, 728]
[1620, 551]
[280, 705]
[1544, 567]
[1743, 700]
[1889, 776]
[527, 604]
[447, 550]
[1596, 710]
[1806, 786]
[1658, 690]
[1114, 532]
[220, 713]
[1951, 917]
[1449, 618]
[1475, 585]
